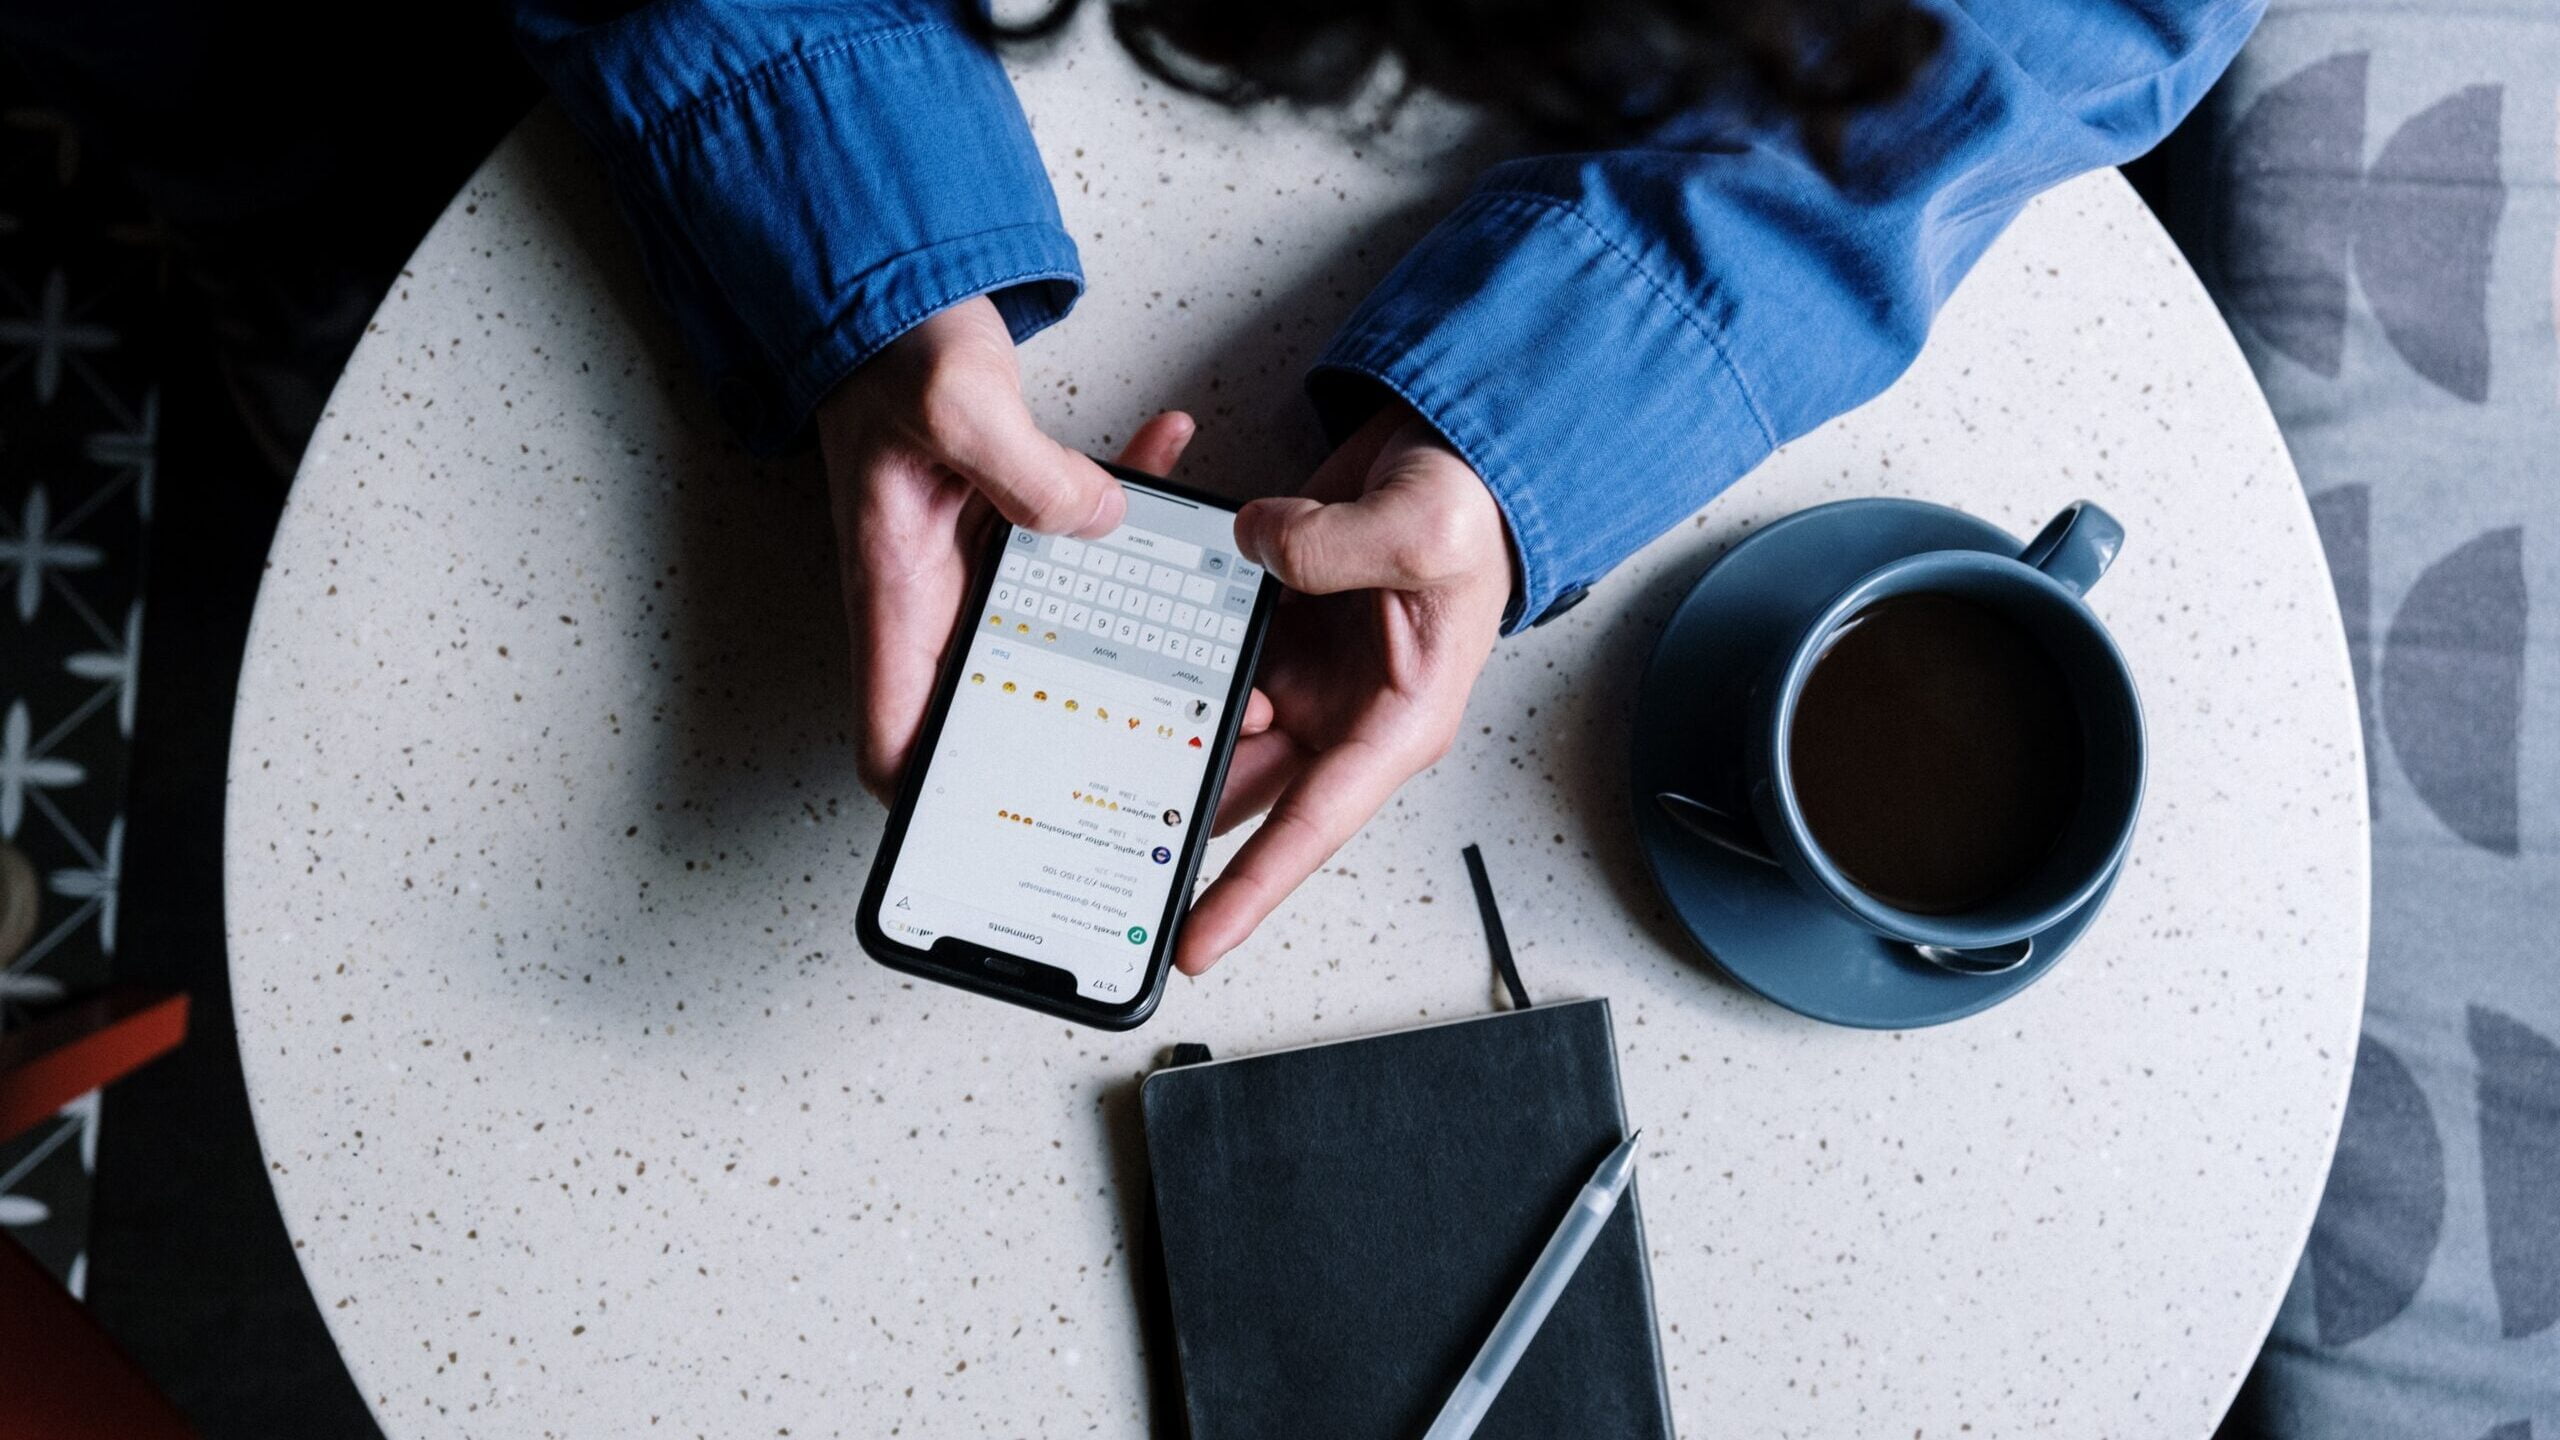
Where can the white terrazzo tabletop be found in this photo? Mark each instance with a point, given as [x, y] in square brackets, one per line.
[589, 1117]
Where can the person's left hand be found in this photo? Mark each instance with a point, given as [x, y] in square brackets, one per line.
[1402, 566]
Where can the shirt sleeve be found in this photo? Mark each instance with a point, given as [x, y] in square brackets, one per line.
[1611, 339]
[807, 182]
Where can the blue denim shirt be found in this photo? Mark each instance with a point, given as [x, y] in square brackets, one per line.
[1609, 338]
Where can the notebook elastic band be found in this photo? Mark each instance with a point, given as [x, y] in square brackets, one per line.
[1494, 937]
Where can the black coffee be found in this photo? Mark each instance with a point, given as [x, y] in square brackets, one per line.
[1936, 753]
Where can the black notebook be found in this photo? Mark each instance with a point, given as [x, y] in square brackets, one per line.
[1340, 1226]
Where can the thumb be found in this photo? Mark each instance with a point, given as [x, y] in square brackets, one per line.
[1385, 540]
[1032, 480]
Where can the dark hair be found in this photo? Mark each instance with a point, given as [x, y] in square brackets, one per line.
[1567, 71]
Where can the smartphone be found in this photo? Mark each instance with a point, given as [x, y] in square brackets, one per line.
[1047, 833]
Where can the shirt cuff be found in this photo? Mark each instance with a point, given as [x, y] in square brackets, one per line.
[1598, 405]
[801, 216]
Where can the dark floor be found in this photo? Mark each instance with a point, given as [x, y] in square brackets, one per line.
[193, 129]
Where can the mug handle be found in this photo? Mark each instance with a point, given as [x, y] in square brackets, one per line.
[2076, 546]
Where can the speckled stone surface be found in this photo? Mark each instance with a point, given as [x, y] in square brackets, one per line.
[590, 1118]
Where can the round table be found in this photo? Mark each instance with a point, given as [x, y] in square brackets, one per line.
[589, 1116]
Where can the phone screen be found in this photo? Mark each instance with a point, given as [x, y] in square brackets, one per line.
[1056, 803]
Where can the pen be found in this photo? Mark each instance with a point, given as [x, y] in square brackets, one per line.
[1537, 1295]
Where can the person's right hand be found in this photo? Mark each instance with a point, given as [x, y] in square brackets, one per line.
[1400, 563]
[919, 443]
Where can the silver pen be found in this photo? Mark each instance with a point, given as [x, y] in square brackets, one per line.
[1537, 1295]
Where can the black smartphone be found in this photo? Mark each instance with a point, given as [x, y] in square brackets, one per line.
[1050, 825]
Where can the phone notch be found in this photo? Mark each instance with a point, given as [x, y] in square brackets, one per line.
[1019, 973]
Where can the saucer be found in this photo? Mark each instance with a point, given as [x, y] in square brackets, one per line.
[1749, 918]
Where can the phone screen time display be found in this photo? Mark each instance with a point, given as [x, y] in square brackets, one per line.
[1056, 800]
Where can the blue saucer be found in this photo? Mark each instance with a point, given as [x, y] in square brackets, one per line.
[1771, 937]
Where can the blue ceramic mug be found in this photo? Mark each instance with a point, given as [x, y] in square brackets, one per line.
[2041, 591]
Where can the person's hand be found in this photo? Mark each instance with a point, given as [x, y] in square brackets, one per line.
[919, 443]
[1402, 566]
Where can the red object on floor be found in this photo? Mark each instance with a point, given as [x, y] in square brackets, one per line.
[61, 1377]
[81, 1047]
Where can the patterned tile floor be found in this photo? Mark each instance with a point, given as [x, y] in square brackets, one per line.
[82, 293]
[159, 367]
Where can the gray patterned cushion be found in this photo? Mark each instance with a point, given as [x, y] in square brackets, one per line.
[2371, 195]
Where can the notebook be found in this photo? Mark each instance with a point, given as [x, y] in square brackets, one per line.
[1340, 1225]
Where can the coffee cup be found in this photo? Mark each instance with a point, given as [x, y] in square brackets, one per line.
[1950, 753]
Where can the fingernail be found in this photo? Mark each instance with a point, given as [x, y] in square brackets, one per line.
[1095, 526]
